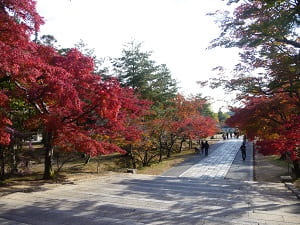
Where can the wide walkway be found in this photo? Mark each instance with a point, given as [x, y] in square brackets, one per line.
[224, 161]
[191, 196]
[217, 164]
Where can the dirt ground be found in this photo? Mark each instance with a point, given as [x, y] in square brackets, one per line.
[269, 168]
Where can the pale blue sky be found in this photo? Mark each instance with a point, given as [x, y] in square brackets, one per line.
[177, 31]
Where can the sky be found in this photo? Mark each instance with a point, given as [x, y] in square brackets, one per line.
[178, 33]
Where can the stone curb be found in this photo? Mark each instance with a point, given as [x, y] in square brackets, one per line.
[294, 190]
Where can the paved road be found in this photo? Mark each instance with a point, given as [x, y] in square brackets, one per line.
[141, 199]
[217, 164]
[224, 161]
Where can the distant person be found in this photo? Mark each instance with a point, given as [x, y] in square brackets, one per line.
[243, 150]
[245, 139]
[227, 135]
[202, 147]
[206, 147]
[224, 136]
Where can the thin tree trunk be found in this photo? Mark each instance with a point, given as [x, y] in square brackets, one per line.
[13, 161]
[171, 146]
[296, 168]
[190, 144]
[132, 157]
[181, 143]
[145, 161]
[2, 163]
[48, 170]
[87, 160]
[160, 150]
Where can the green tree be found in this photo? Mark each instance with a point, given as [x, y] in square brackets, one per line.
[162, 88]
[222, 116]
[268, 34]
[134, 68]
[137, 70]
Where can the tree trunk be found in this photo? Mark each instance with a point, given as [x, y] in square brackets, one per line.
[160, 150]
[181, 143]
[296, 168]
[171, 146]
[13, 162]
[2, 163]
[145, 161]
[48, 145]
[190, 144]
[169, 153]
[87, 160]
[132, 157]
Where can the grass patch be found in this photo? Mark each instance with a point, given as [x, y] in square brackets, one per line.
[275, 159]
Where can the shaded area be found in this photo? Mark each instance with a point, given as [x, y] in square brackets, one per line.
[242, 170]
[136, 199]
[267, 170]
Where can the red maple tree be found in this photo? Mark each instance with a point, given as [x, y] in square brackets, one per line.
[75, 108]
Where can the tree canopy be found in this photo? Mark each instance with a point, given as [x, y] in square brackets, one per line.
[268, 76]
[66, 95]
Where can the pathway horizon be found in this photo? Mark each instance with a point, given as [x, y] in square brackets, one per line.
[217, 189]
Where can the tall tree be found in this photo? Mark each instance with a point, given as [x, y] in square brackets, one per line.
[74, 107]
[137, 70]
[269, 72]
[134, 68]
[267, 32]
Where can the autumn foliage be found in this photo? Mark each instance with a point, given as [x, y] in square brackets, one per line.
[267, 78]
[272, 121]
[58, 93]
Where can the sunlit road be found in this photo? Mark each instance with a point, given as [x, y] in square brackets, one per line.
[216, 164]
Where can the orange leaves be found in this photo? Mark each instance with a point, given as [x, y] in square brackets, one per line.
[185, 119]
[274, 120]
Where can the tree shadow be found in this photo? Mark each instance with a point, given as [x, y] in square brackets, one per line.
[130, 199]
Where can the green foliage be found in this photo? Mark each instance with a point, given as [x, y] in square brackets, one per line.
[268, 35]
[99, 67]
[222, 116]
[47, 40]
[137, 70]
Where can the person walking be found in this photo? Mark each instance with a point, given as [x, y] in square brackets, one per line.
[224, 136]
[245, 139]
[206, 147]
[202, 147]
[243, 150]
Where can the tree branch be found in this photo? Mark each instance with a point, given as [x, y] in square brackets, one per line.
[290, 42]
[36, 105]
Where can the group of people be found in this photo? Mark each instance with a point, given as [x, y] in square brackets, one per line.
[226, 135]
[204, 148]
